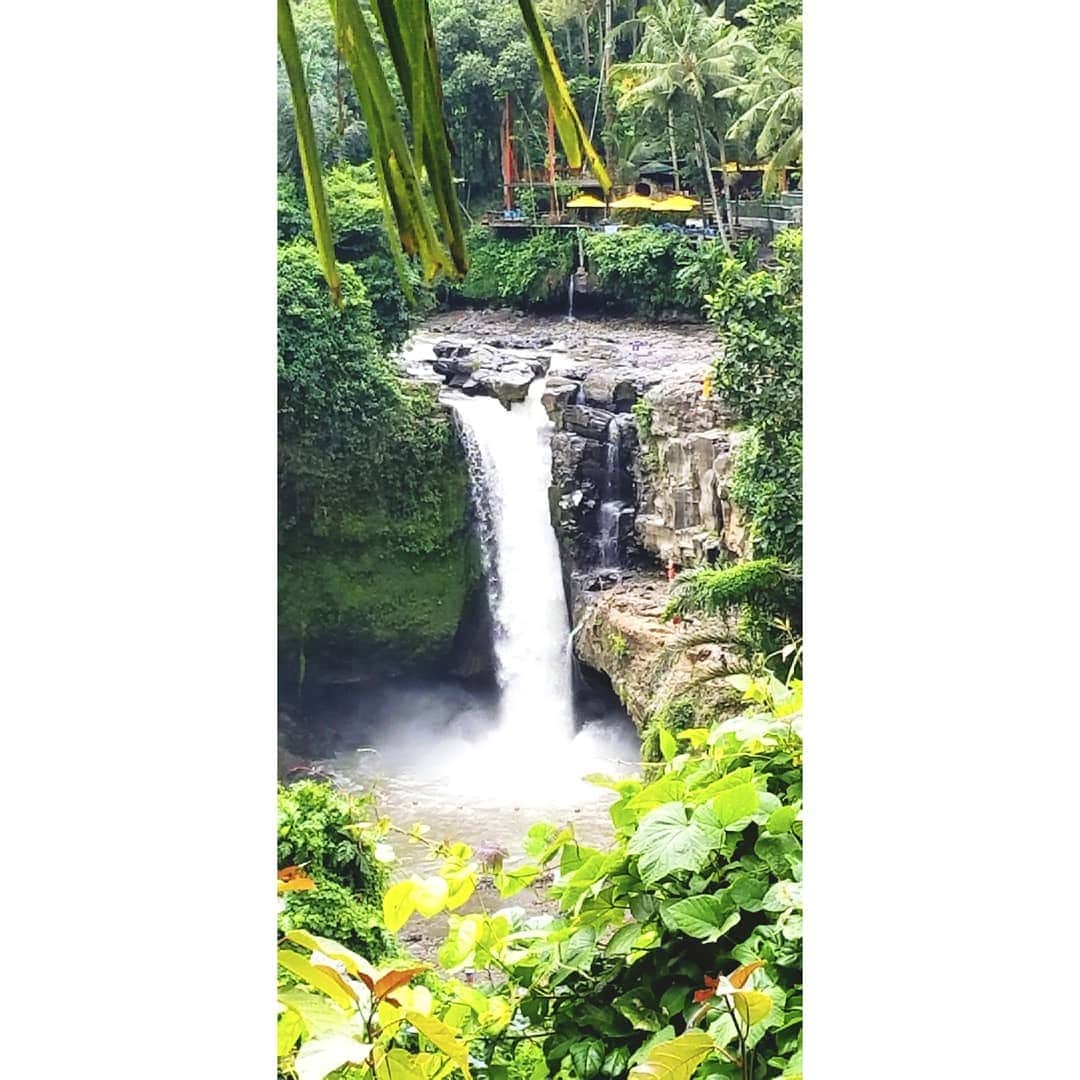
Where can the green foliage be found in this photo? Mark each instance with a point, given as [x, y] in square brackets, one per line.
[763, 583]
[337, 1011]
[767, 483]
[637, 268]
[373, 541]
[643, 415]
[765, 18]
[619, 646]
[759, 373]
[522, 270]
[680, 943]
[360, 239]
[327, 833]
[673, 716]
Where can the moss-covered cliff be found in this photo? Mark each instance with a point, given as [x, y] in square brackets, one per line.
[375, 560]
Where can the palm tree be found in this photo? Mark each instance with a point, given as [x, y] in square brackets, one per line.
[406, 31]
[686, 58]
[772, 100]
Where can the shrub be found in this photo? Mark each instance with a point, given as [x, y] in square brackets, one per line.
[759, 373]
[373, 539]
[636, 268]
[319, 829]
[763, 583]
[523, 270]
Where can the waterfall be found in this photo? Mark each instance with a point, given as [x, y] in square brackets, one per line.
[611, 506]
[570, 296]
[510, 471]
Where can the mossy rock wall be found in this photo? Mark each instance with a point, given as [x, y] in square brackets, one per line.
[380, 592]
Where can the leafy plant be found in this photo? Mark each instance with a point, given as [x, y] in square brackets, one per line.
[704, 877]
[524, 270]
[336, 1010]
[637, 268]
[763, 583]
[759, 373]
[619, 646]
[329, 835]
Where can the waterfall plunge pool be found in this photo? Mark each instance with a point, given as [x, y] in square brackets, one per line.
[478, 765]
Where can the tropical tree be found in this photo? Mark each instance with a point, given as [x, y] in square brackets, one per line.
[772, 102]
[687, 60]
[402, 168]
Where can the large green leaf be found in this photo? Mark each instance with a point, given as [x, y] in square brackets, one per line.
[444, 1038]
[666, 841]
[782, 854]
[735, 803]
[322, 978]
[398, 905]
[615, 1062]
[320, 1057]
[354, 963]
[704, 917]
[318, 1015]
[398, 1064]
[674, 1060]
[587, 1056]
[289, 1028]
[309, 151]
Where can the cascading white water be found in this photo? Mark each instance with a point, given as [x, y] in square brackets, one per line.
[610, 508]
[510, 470]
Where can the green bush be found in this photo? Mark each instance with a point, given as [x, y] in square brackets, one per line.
[357, 223]
[318, 830]
[637, 269]
[759, 373]
[524, 270]
[763, 583]
[373, 541]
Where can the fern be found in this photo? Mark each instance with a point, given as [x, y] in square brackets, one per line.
[761, 583]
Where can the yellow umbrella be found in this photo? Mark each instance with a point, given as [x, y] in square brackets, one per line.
[680, 204]
[585, 202]
[633, 201]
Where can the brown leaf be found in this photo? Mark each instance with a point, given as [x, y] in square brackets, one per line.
[739, 976]
[393, 979]
[293, 879]
[708, 992]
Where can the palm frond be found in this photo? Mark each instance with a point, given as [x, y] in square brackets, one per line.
[394, 164]
[309, 151]
[406, 26]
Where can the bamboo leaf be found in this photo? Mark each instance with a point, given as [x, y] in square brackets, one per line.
[309, 151]
[390, 150]
[572, 134]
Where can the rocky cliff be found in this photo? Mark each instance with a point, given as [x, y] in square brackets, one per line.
[619, 631]
[641, 469]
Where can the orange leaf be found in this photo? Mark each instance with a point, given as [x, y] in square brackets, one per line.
[739, 976]
[293, 879]
[710, 991]
[393, 979]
